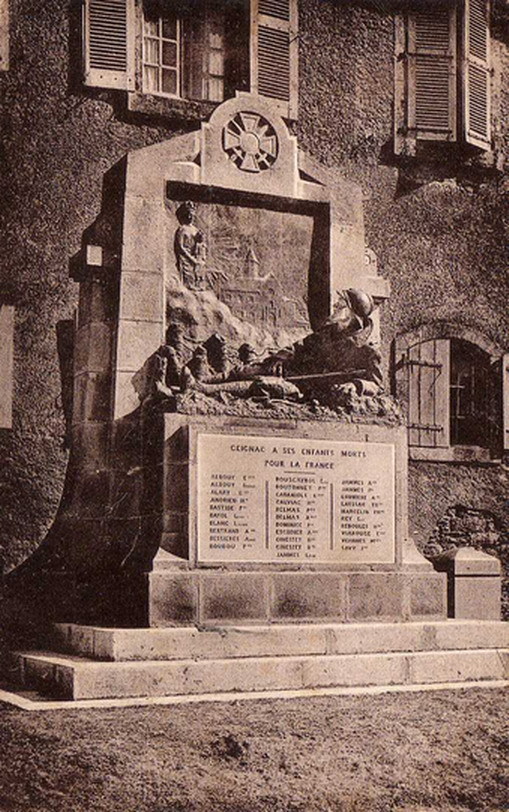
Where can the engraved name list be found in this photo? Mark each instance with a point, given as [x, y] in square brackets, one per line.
[283, 500]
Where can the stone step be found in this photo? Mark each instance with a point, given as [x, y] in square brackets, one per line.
[277, 640]
[75, 678]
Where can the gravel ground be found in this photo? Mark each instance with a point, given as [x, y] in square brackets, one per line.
[429, 751]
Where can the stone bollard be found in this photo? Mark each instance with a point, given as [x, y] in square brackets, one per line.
[473, 583]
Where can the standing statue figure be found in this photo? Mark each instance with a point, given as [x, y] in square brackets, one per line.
[190, 248]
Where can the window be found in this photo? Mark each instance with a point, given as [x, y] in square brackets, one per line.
[183, 55]
[454, 392]
[469, 392]
[443, 76]
[196, 51]
[162, 44]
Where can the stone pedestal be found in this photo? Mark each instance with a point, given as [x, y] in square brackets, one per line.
[271, 522]
[474, 584]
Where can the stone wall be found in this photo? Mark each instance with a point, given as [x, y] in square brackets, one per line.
[437, 225]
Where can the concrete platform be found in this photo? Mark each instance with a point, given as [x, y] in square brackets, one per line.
[183, 661]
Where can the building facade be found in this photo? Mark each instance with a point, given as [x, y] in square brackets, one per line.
[408, 100]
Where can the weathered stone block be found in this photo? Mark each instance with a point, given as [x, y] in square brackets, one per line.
[250, 674]
[477, 597]
[126, 493]
[123, 532]
[375, 595]
[141, 296]
[173, 543]
[428, 595]
[96, 302]
[92, 393]
[127, 446]
[455, 666]
[173, 598]
[308, 595]
[464, 634]
[176, 521]
[147, 168]
[91, 492]
[348, 670]
[143, 226]
[473, 583]
[92, 348]
[153, 490]
[366, 638]
[128, 393]
[137, 340]
[90, 445]
[176, 486]
[232, 597]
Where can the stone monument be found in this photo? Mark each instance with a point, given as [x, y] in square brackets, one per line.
[235, 456]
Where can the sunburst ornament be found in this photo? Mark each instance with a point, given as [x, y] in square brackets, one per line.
[251, 142]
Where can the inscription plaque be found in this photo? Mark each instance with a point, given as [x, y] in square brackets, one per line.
[282, 500]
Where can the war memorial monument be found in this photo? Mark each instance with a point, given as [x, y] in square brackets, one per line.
[235, 510]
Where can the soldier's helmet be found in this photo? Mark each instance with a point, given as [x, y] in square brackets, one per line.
[246, 353]
[361, 302]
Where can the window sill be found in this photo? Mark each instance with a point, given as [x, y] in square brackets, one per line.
[454, 453]
[439, 149]
[167, 107]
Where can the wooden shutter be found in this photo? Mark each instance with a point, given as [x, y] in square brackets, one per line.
[476, 74]
[4, 34]
[505, 401]
[423, 373]
[274, 52]
[109, 43]
[6, 364]
[432, 74]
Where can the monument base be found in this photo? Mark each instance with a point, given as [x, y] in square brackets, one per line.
[271, 522]
[210, 598]
[86, 662]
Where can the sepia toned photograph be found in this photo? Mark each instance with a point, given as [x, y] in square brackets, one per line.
[254, 406]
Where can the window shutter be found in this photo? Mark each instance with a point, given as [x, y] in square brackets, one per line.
[476, 79]
[109, 43]
[423, 371]
[505, 400]
[274, 52]
[4, 34]
[6, 364]
[432, 66]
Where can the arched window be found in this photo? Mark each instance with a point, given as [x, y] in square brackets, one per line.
[454, 391]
